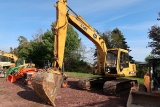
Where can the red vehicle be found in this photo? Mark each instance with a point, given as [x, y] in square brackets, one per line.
[20, 74]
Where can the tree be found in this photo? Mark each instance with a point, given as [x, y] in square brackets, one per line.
[38, 49]
[114, 39]
[41, 47]
[148, 57]
[159, 16]
[107, 37]
[72, 55]
[22, 40]
[118, 40]
[154, 34]
[20, 50]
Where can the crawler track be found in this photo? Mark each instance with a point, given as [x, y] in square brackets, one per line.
[118, 87]
[110, 87]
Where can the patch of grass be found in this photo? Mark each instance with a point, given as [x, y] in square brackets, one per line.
[87, 75]
[80, 75]
[140, 80]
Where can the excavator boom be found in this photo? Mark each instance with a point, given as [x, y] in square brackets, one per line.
[79, 23]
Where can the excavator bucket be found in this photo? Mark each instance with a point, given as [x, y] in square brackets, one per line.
[143, 99]
[47, 85]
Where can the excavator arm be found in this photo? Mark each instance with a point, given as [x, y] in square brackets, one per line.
[60, 30]
[63, 18]
[92, 35]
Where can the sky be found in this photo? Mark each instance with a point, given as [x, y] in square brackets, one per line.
[133, 18]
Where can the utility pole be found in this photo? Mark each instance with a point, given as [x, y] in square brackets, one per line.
[159, 16]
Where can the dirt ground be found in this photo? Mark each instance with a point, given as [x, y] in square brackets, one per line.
[19, 95]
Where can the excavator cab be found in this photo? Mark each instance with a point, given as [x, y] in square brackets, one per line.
[111, 60]
[117, 62]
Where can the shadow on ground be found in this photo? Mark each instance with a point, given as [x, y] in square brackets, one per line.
[28, 93]
[121, 100]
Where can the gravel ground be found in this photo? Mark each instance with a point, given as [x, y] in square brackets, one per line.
[19, 95]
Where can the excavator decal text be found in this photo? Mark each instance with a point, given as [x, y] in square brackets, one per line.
[84, 27]
[95, 36]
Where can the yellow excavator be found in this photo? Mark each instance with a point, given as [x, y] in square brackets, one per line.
[13, 67]
[147, 94]
[15, 59]
[9, 55]
[112, 63]
[5, 65]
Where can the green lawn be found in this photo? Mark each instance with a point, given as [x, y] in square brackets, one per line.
[87, 75]
[80, 75]
[140, 80]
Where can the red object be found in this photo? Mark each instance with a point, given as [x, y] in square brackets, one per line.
[19, 74]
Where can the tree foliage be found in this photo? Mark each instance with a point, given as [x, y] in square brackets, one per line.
[40, 49]
[37, 49]
[118, 40]
[148, 57]
[115, 39]
[154, 35]
[107, 37]
[22, 40]
[21, 51]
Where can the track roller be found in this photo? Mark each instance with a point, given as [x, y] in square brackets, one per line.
[119, 86]
[84, 84]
